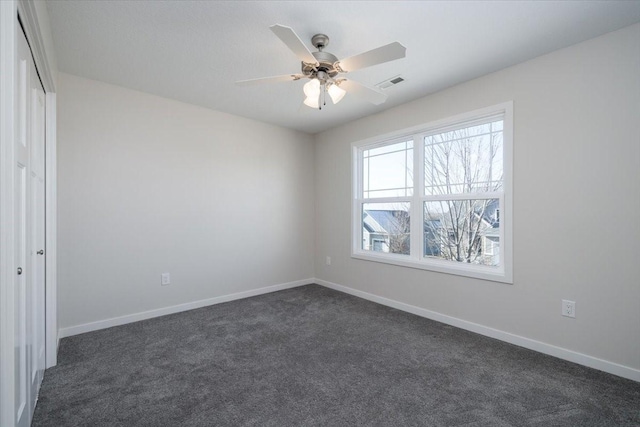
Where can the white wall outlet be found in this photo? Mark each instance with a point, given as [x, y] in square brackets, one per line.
[568, 308]
[165, 279]
[328, 260]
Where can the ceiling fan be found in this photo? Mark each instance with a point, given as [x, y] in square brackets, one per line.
[324, 69]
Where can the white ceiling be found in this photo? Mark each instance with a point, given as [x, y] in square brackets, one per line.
[194, 51]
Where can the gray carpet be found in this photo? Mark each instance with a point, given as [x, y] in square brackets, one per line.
[311, 356]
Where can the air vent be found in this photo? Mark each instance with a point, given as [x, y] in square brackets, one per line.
[390, 82]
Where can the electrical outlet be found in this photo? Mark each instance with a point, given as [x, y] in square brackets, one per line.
[165, 279]
[568, 308]
[328, 260]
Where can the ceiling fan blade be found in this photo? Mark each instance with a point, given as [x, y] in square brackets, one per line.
[382, 54]
[364, 92]
[272, 79]
[293, 42]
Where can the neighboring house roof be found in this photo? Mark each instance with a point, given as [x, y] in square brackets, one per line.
[488, 217]
[490, 214]
[389, 221]
[370, 224]
[432, 224]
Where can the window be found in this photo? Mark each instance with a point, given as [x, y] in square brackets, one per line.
[439, 197]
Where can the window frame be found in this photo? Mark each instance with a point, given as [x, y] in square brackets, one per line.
[502, 273]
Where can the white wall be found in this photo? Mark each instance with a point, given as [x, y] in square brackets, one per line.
[149, 185]
[576, 202]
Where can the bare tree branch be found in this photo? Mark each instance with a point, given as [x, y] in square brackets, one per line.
[461, 162]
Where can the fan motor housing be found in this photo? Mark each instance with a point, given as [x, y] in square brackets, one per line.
[326, 60]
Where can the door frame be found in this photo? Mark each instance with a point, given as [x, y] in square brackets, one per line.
[43, 55]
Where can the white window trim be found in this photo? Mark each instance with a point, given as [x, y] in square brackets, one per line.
[503, 273]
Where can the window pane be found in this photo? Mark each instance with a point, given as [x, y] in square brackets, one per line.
[466, 231]
[386, 227]
[466, 160]
[387, 171]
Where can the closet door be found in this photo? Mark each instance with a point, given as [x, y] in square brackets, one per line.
[23, 246]
[29, 225]
[37, 231]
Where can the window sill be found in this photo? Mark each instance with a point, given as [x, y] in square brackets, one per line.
[475, 271]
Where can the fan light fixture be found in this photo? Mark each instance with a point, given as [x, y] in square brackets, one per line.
[316, 89]
[336, 93]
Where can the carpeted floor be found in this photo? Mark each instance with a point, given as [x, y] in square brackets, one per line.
[311, 356]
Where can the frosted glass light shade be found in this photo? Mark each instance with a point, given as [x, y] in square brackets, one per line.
[313, 101]
[312, 88]
[336, 93]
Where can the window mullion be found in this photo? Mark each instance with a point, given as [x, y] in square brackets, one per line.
[463, 196]
[358, 188]
[400, 199]
[416, 205]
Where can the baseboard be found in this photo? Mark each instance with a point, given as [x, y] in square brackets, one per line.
[130, 318]
[552, 350]
[53, 361]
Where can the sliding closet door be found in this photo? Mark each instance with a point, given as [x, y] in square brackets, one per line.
[29, 225]
[37, 230]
